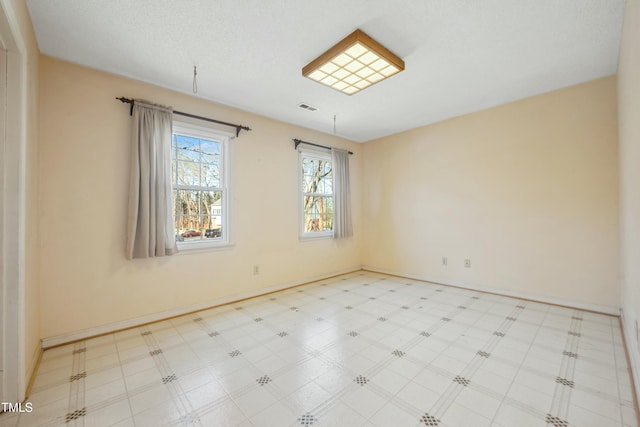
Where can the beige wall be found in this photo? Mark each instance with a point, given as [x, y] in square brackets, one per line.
[528, 191]
[31, 276]
[84, 155]
[629, 130]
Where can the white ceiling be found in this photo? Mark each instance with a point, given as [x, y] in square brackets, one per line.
[461, 55]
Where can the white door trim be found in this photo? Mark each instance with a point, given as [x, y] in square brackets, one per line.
[3, 120]
[13, 208]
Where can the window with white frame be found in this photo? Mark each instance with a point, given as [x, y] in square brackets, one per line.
[199, 181]
[316, 183]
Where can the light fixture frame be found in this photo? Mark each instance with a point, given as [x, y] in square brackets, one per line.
[358, 36]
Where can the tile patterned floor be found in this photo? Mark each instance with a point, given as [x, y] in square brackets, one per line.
[362, 349]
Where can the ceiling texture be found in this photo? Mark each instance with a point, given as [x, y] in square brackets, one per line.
[461, 56]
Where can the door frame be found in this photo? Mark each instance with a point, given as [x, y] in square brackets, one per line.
[12, 189]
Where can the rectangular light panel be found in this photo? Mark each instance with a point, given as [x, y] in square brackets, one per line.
[353, 64]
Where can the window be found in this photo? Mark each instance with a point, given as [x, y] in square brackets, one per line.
[316, 194]
[199, 180]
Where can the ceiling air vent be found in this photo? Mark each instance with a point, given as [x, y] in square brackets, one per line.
[307, 107]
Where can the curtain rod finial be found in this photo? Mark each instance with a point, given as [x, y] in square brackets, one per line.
[126, 101]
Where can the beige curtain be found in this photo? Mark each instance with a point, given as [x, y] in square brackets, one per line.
[150, 221]
[341, 194]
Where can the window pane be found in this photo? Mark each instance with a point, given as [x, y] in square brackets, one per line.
[210, 158]
[187, 202]
[316, 176]
[209, 149]
[174, 165]
[211, 208]
[213, 232]
[328, 184]
[188, 148]
[188, 173]
[212, 214]
[188, 227]
[179, 206]
[211, 174]
[325, 186]
[312, 172]
[307, 173]
[318, 213]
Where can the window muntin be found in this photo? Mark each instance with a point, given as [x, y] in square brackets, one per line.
[199, 185]
[317, 194]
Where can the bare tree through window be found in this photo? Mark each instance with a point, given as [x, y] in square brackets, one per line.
[317, 184]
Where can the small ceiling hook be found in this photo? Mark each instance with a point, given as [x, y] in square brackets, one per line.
[195, 79]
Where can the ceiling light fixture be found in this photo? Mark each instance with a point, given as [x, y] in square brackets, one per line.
[353, 64]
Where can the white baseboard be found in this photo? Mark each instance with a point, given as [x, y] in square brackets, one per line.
[632, 352]
[614, 311]
[32, 370]
[138, 321]
[131, 323]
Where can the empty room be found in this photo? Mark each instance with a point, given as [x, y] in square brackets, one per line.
[339, 213]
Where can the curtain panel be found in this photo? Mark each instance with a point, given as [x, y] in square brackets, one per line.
[150, 220]
[341, 194]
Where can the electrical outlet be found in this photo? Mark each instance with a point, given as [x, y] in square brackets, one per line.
[467, 263]
[444, 261]
[256, 270]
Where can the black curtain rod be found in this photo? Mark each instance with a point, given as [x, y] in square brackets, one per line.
[299, 141]
[193, 116]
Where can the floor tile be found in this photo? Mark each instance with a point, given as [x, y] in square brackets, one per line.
[434, 381]
[254, 401]
[106, 392]
[334, 380]
[8, 420]
[50, 394]
[529, 396]
[417, 396]
[117, 413]
[508, 416]
[458, 415]
[583, 417]
[596, 403]
[364, 401]
[142, 379]
[308, 397]
[339, 415]
[158, 415]
[195, 379]
[478, 402]
[390, 381]
[206, 394]
[390, 415]
[276, 415]
[52, 412]
[149, 398]
[223, 414]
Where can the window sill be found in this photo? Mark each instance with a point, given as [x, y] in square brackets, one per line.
[316, 236]
[197, 247]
